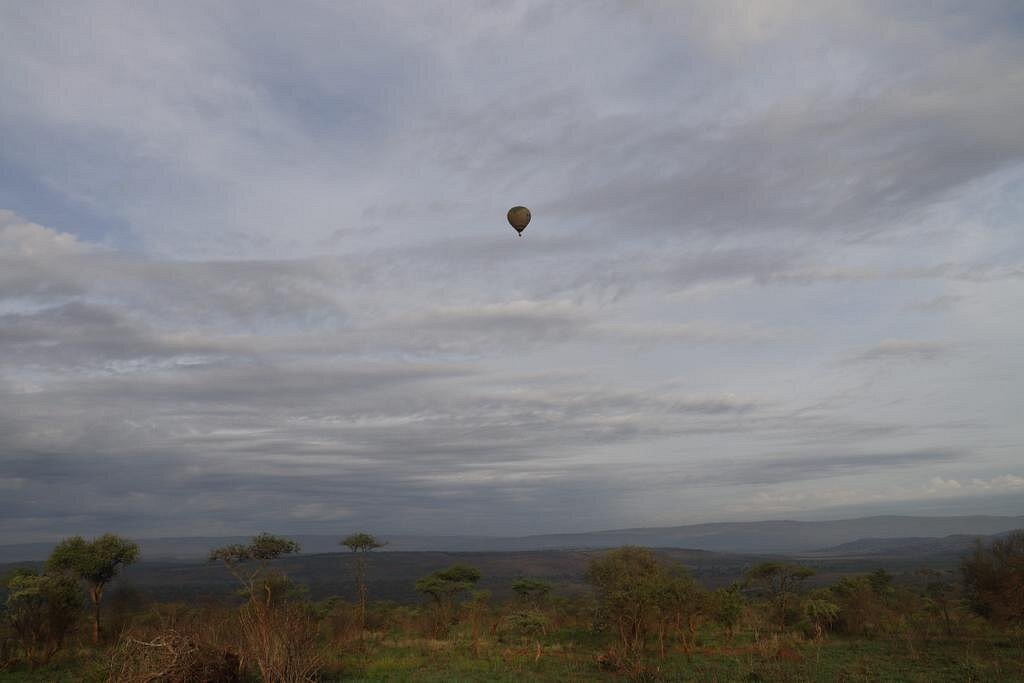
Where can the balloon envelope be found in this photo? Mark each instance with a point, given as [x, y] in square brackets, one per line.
[519, 218]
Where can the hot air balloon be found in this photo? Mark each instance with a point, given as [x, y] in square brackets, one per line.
[519, 218]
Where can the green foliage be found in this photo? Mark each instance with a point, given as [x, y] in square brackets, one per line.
[631, 584]
[861, 608]
[263, 549]
[821, 613]
[778, 578]
[868, 627]
[526, 622]
[994, 578]
[881, 582]
[97, 561]
[532, 591]
[449, 582]
[780, 583]
[941, 598]
[42, 611]
[726, 605]
[279, 626]
[444, 587]
[362, 542]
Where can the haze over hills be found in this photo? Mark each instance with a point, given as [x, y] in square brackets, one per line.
[926, 545]
[837, 537]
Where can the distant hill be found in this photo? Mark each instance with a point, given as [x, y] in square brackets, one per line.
[785, 536]
[392, 574]
[781, 537]
[954, 543]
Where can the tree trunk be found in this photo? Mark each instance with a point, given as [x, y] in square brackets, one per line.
[95, 592]
[361, 590]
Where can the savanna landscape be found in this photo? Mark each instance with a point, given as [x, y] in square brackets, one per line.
[261, 611]
[511, 340]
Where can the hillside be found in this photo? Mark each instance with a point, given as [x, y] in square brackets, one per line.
[783, 536]
[954, 543]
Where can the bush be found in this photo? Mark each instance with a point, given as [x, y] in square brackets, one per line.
[171, 656]
[282, 639]
[42, 610]
[994, 578]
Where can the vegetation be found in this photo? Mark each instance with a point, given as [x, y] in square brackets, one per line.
[279, 631]
[42, 611]
[96, 562]
[994, 578]
[644, 618]
[361, 544]
[444, 588]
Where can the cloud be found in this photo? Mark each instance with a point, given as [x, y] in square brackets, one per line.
[316, 388]
[938, 304]
[901, 350]
[22, 239]
[707, 127]
[254, 264]
[799, 468]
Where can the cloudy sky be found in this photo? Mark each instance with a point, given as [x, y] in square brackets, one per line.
[255, 271]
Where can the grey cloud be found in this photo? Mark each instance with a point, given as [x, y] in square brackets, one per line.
[693, 131]
[938, 304]
[901, 349]
[78, 333]
[721, 211]
[812, 159]
[771, 470]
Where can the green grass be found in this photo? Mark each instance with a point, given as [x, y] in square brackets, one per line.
[838, 659]
[69, 669]
[850, 660]
[571, 653]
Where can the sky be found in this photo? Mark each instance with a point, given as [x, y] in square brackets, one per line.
[255, 272]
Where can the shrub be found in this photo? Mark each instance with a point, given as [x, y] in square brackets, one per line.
[42, 610]
[171, 656]
[994, 578]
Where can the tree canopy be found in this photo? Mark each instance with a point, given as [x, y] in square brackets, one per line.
[362, 542]
[96, 562]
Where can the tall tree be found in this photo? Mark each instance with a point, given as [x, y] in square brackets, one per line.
[781, 583]
[279, 633]
[361, 544]
[445, 586]
[250, 563]
[994, 578]
[629, 583]
[96, 562]
[532, 591]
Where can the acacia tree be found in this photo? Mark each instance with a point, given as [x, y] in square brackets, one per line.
[727, 608]
[96, 562]
[780, 582]
[940, 596]
[361, 544]
[42, 610]
[281, 636]
[532, 591]
[533, 595]
[629, 583]
[445, 586]
[250, 563]
[683, 606]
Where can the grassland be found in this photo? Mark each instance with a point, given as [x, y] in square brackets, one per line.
[901, 633]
